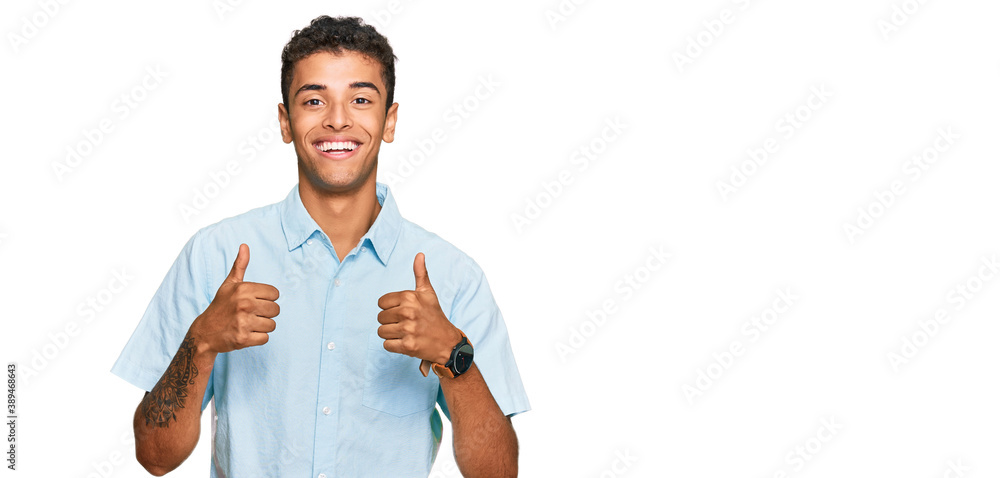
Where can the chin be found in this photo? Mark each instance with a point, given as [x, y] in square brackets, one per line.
[333, 178]
[337, 183]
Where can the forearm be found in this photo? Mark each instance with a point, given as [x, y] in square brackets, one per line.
[167, 421]
[484, 439]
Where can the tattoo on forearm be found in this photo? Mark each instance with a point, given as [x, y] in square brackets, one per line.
[170, 392]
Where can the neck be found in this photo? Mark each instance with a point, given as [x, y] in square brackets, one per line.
[343, 216]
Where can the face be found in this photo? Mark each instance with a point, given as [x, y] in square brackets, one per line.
[337, 119]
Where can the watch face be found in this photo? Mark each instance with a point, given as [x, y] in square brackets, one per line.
[463, 358]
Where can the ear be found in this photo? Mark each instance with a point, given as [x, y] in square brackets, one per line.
[389, 132]
[286, 126]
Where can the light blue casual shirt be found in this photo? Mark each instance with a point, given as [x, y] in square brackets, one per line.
[323, 397]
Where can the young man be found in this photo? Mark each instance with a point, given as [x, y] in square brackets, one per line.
[317, 351]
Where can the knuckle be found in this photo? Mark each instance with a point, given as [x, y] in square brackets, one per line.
[242, 338]
[408, 344]
[244, 304]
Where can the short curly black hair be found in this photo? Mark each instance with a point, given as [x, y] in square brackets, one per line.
[334, 35]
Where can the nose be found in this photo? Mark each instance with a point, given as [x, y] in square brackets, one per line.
[338, 117]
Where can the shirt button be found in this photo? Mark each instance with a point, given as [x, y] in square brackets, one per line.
[321, 475]
[363, 249]
[310, 242]
[326, 410]
[336, 282]
[331, 346]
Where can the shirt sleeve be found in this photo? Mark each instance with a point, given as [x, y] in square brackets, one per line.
[182, 296]
[476, 313]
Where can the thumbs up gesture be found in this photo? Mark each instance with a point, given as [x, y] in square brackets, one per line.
[413, 323]
[240, 315]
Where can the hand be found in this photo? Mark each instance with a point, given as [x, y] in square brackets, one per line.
[413, 323]
[240, 315]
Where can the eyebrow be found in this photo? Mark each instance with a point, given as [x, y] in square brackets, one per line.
[365, 84]
[354, 85]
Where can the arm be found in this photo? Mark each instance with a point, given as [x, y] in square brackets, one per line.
[167, 421]
[484, 439]
[413, 324]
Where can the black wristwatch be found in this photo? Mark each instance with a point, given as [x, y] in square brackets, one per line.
[459, 362]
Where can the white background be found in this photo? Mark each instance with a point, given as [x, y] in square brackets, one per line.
[651, 389]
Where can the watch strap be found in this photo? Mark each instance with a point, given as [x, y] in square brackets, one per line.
[441, 370]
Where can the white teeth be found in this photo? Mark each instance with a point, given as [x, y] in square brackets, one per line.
[327, 146]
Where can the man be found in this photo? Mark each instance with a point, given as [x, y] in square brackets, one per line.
[326, 353]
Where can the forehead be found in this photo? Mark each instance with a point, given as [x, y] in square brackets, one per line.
[336, 69]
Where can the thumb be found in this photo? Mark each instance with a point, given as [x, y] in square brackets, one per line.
[420, 273]
[240, 266]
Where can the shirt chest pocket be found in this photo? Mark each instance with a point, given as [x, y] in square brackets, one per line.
[393, 382]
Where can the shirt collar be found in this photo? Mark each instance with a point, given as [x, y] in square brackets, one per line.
[299, 226]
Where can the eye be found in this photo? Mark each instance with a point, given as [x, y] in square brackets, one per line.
[313, 102]
[362, 100]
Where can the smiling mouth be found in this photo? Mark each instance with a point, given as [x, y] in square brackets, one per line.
[336, 147]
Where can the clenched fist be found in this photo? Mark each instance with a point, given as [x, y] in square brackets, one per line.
[413, 323]
[241, 313]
